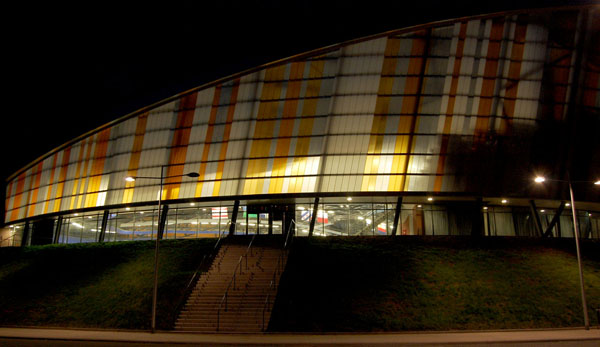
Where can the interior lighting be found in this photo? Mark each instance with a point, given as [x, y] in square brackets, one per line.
[539, 179]
[192, 204]
[304, 230]
[206, 223]
[542, 211]
[77, 225]
[361, 217]
[194, 223]
[141, 212]
[213, 223]
[368, 221]
[349, 198]
[301, 208]
[76, 214]
[89, 217]
[97, 230]
[568, 204]
[330, 212]
[504, 201]
[126, 209]
[203, 209]
[589, 214]
[130, 179]
[419, 206]
[485, 207]
[430, 199]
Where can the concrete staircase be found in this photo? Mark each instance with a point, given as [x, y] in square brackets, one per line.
[220, 302]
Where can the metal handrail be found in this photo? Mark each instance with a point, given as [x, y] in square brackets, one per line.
[225, 295]
[285, 244]
[192, 281]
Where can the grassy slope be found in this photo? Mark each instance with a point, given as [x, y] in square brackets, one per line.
[412, 283]
[105, 285]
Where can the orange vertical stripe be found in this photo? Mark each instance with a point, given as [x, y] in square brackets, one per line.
[61, 178]
[36, 188]
[386, 83]
[97, 167]
[51, 181]
[223, 152]
[7, 200]
[85, 170]
[490, 74]
[134, 159]
[181, 138]
[208, 140]
[18, 196]
[514, 76]
[437, 186]
[410, 106]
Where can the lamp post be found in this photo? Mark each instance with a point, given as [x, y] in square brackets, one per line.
[161, 178]
[541, 179]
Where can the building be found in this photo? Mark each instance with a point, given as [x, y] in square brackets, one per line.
[436, 129]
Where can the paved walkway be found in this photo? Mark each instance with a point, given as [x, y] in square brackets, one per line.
[529, 337]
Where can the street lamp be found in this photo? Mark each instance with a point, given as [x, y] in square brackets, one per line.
[161, 178]
[541, 179]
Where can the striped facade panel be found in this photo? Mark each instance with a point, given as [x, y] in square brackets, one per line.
[405, 111]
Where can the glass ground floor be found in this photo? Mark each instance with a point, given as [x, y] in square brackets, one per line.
[331, 216]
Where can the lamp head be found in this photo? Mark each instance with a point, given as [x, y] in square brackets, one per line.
[130, 179]
[597, 183]
[539, 179]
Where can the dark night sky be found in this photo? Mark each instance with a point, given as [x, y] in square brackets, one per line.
[73, 68]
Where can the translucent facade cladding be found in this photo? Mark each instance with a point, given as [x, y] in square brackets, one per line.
[468, 107]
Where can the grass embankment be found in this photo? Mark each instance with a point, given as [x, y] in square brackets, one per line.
[99, 285]
[415, 283]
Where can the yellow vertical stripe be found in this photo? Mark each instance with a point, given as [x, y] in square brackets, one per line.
[36, 189]
[286, 127]
[77, 174]
[311, 99]
[409, 110]
[264, 126]
[386, 83]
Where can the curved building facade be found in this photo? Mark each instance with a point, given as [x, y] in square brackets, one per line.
[433, 129]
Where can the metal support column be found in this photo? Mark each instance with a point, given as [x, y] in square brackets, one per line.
[536, 217]
[25, 236]
[554, 220]
[270, 211]
[234, 213]
[313, 217]
[397, 215]
[59, 223]
[163, 221]
[103, 226]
